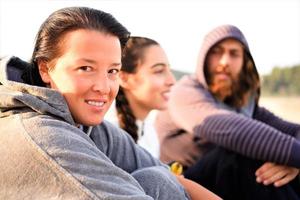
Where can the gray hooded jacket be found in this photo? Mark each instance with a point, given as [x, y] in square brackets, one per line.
[45, 156]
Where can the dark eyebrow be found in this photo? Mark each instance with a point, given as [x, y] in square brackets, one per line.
[94, 62]
[87, 60]
[218, 46]
[235, 49]
[116, 64]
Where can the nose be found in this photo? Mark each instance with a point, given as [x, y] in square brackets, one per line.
[223, 62]
[170, 79]
[102, 85]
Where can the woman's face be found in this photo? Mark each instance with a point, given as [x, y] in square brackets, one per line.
[148, 88]
[86, 74]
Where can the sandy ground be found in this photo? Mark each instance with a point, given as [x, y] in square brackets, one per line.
[286, 107]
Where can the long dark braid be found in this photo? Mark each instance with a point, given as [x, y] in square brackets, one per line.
[125, 115]
[133, 54]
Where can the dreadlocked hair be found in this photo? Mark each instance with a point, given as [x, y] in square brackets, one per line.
[133, 55]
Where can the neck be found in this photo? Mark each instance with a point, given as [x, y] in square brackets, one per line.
[139, 110]
[238, 101]
[246, 98]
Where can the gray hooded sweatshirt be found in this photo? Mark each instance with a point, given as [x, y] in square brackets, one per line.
[255, 133]
[45, 156]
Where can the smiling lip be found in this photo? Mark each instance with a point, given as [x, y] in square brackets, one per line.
[166, 95]
[96, 104]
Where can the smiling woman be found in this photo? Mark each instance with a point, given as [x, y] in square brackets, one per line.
[54, 142]
[86, 77]
[145, 81]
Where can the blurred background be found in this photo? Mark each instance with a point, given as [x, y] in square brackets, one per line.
[272, 28]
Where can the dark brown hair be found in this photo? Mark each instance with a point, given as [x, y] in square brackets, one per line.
[49, 38]
[248, 82]
[133, 55]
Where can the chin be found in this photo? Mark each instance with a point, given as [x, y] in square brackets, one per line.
[162, 106]
[96, 122]
[224, 93]
[93, 122]
[223, 86]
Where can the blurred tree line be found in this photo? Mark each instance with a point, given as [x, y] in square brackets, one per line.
[178, 74]
[282, 81]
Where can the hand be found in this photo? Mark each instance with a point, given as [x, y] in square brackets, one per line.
[279, 175]
[181, 148]
[196, 191]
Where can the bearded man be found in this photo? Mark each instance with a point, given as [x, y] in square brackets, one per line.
[215, 127]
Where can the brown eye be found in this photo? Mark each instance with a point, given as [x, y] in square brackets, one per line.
[85, 68]
[159, 71]
[236, 54]
[113, 71]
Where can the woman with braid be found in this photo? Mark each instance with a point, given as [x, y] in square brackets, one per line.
[145, 82]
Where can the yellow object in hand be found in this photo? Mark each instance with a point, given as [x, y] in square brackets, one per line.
[176, 168]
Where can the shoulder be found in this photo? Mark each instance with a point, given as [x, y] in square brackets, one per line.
[50, 133]
[190, 90]
[37, 149]
[189, 80]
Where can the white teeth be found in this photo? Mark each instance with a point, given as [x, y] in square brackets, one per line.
[95, 103]
[167, 94]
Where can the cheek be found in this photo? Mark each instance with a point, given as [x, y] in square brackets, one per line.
[59, 82]
[155, 86]
[159, 83]
[114, 88]
[72, 86]
[211, 64]
[237, 68]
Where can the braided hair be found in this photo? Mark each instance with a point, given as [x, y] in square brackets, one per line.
[133, 54]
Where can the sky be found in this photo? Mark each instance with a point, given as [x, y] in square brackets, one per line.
[272, 27]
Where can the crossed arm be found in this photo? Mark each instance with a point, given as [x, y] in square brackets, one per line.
[266, 137]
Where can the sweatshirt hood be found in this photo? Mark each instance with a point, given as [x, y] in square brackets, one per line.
[212, 38]
[16, 95]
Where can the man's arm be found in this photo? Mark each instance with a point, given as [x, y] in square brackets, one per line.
[250, 138]
[264, 115]
[194, 109]
[175, 144]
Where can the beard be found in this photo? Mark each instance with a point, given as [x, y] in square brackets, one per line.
[222, 85]
[229, 90]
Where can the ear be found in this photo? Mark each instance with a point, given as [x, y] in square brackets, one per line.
[44, 71]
